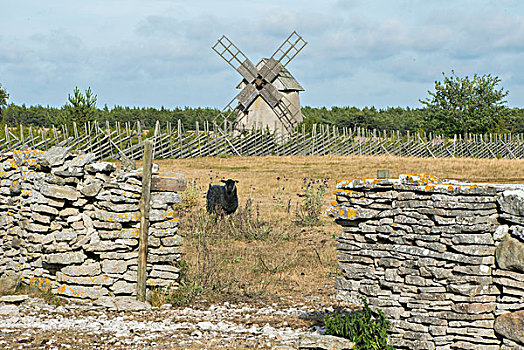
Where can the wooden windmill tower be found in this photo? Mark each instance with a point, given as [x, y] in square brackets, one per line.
[269, 95]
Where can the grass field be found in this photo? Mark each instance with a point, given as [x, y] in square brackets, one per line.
[264, 253]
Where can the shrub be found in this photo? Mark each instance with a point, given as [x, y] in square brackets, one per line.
[190, 197]
[187, 290]
[367, 329]
[309, 211]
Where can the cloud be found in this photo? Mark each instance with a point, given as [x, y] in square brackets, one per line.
[159, 52]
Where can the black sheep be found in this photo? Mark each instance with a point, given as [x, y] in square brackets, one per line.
[222, 198]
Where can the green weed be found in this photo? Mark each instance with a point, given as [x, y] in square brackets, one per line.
[367, 329]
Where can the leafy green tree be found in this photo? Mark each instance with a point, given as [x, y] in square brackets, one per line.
[3, 102]
[3, 97]
[461, 105]
[82, 108]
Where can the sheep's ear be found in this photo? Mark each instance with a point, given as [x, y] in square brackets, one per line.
[223, 180]
[236, 181]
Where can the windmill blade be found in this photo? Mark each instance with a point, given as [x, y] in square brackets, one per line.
[284, 114]
[246, 97]
[289, 49]
[270, 70]
[235, 58]
[227, 111]
[271, 95]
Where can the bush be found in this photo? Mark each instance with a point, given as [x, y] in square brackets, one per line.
[309, 211]
[190, 196]
[367, 329]
[185, 293]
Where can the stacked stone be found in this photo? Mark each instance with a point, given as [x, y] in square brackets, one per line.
[444, 260]
[71, 225]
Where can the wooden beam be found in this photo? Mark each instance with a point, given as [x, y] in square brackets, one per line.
[144, 221]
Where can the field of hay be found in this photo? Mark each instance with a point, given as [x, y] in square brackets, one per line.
[265, 253]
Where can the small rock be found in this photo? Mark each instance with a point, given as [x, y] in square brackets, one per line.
[9, 310]
[100, 167]
[14, 299]
[324, 342]
[106, 301]
[131, 304]
[9, 284]
[55, 156]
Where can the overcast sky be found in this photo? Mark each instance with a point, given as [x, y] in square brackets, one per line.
[158, 52]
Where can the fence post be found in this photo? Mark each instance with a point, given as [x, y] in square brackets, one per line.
[144, 221]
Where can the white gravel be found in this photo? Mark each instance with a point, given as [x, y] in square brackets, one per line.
[36, 324]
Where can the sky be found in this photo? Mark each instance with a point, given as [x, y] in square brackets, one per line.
[153, 53]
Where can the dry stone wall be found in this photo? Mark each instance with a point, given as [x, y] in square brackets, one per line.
[444, 260]
[70, 224]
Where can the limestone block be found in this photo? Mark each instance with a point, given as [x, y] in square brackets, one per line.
[153, 242]
[81, 160]
[169, 258]
[68, 212]
[122, 287]
[104, 246]
[500, 232]
[511, 325]
[90, 188]
[117, 207]
[59, 192]
[510, 254]
[477, 238]
[517, 232]
[114, 266]
[127, 233]
[55, 156]
[84, 292]
[99, 280]
[36, 227]
[165, 272]
[65, 258]
[104, 215]
[9, 283]
[512, 202]
[161, 215]
[44, 219]
[70, 175]
[47, 201]
[100, 167]
[105, 225]
[324, 342]
[118, 195]
[120, 256]
[171, 241]
[88, 268]
[165, 227]
[131, 304]
[165, 250]
[168, 182]
[159, 199]
[128, 187]
[65, 235]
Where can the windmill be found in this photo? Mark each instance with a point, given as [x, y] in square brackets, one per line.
[260, 100]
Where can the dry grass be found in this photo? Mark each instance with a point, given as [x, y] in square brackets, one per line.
[295, 261]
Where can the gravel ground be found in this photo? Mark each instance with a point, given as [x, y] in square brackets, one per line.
[34, 324]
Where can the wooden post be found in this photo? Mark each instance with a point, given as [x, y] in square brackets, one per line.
[144, 221]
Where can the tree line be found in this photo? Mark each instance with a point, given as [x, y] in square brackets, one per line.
[457, 105]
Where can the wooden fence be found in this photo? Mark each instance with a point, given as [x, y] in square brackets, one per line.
[172, 141]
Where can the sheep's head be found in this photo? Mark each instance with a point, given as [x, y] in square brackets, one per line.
[230, 186]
